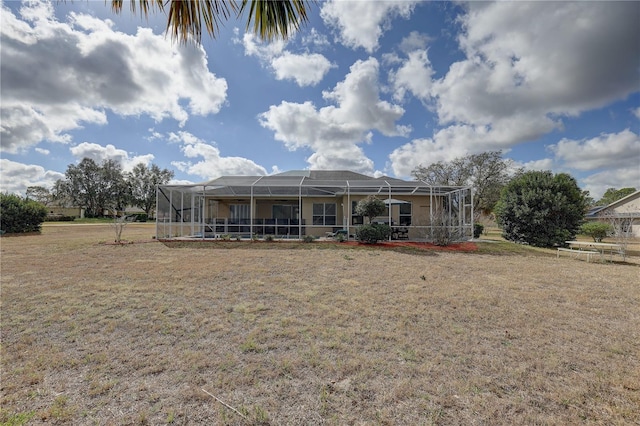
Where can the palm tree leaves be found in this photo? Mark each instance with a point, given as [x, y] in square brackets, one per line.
[273, 19]
[186, 18]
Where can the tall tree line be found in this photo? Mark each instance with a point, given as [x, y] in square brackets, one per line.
[488, 173]
[100, 187]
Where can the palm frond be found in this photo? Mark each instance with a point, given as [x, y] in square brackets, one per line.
[275, 19]
[270, 19]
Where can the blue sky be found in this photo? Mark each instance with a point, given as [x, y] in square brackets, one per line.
[369, 86]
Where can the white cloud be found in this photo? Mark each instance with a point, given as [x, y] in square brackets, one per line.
[315, 39]
[212, 165]
[572, 57]
[598, 183]
[636, 112]
[521, 76]
[413, 76]
[543, 164]
[333, 133]
[611, 149]
[414, 41]
[306, 69]
[459, 140]
[362, 23]
[59, 75]
[16, 177]
[43, 151]
[100, 153]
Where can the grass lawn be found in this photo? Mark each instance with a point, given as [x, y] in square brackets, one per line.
[96, 333]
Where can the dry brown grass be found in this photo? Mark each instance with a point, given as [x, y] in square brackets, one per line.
[131, 334]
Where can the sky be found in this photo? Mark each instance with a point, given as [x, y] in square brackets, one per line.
[374, 87]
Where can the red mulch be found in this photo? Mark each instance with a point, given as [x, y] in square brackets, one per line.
[458, 247]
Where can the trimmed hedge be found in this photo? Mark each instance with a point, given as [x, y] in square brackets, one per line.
[60, 218]
[373, 233]
[19, 215]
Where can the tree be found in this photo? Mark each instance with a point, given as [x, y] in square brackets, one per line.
[143, 181]
[95, 187]
[370, 207]
[541, 209]
[487, 173]
[18, 215]
[39, 194]
[596, 230]
[371, 233]
[612, 195]
[185, 19]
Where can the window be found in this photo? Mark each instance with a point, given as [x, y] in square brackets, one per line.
[238, 212]
[324, 213]
[284, 211]
[355, 219]
[405, 214]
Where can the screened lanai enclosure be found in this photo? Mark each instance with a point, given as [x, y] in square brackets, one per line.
[317, 203]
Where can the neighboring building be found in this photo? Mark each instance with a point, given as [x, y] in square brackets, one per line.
[308, 202]
[77, 212]
[625, 211]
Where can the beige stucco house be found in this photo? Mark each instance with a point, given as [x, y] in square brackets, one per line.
[308, 202]
[625, 212]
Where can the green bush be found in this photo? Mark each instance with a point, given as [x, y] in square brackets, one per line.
[596, 230]
[373, 233]
[20, 215]
[309, 238]
[141, 217]
[478, 228]
[60, 218]
[541, 209]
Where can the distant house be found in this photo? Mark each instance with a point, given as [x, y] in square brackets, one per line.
[308, 202]
[626, 211]
[53, 211]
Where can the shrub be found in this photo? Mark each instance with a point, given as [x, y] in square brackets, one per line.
[142, 217]
[309, 238]
[444, 235]
[441, 233]
[541, 209]
[373, 233]
[596, 230]
[20, 215]
[268, 238]
[478, 228]
[60, 218]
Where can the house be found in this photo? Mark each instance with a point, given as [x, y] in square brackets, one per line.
[57, 211]
[624, 213]
[308, 202]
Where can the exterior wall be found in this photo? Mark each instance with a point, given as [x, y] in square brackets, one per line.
[631, 206]
[77, 212]
[263, 209]
[307, 215]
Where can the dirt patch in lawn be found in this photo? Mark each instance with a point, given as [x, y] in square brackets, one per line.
[133, 334]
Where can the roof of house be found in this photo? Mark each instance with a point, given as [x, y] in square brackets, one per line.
[312, 183]
[597, 211]
[624, 200]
